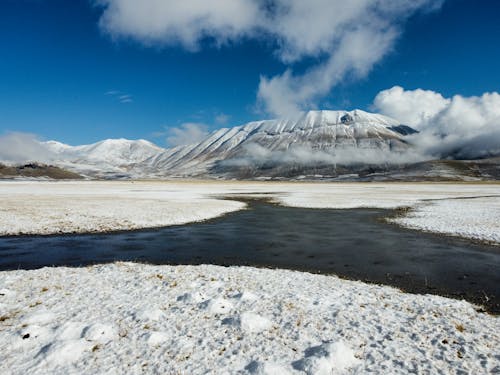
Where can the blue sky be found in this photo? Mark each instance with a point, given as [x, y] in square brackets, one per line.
[65, 75]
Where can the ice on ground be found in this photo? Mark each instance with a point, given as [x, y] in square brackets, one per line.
[85, 320]
[477, 218]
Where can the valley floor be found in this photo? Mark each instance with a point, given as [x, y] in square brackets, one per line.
[133, 318]
[469, 210]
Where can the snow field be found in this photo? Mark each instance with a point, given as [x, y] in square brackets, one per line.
[34, 208]
[133, 318]
[477, 218]
[31, 207]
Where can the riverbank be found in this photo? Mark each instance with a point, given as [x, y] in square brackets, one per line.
[130, 318]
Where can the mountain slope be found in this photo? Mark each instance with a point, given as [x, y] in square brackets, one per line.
[108, 158]
[316, 132]
[113, 151]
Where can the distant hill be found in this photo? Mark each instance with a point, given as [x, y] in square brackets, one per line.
[36, 170]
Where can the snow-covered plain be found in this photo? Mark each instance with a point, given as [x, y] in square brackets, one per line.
[132, 318]
[475, 218]
[31, 207]
[50, 208]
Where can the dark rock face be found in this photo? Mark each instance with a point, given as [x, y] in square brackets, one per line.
[346, 119]
[36, 170]
[403, 129]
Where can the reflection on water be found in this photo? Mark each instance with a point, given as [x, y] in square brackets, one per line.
[349, 243]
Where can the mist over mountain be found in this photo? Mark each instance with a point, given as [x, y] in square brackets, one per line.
[311, 139]
[315, 144]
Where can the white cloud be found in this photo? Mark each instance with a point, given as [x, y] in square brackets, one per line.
[120, 96]
[300, 155]
[16, 147]
[187, 133]
[287, 94]
[413, 108]
[346, 38]
[171, 22]
[465, 127]
[125, 98]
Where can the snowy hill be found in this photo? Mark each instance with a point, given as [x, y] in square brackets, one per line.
[113, 151]
[314, 133]
[304, 145]
[110, 157]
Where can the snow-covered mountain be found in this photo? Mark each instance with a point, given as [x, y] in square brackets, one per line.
[312, 140]
[113, 151]
[109, 157]
[323, 133]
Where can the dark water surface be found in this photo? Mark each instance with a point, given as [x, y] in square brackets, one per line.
[349, 243]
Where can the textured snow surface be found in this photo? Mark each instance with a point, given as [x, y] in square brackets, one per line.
[92, 206]
[477, 218]
[38, 208]
[132, 318]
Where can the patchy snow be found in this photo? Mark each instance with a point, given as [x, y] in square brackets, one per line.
[477, 218]
[95, 206]
[133, 318]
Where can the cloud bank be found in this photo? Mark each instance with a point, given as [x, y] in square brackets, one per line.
[257, 156]
[459, 127]
[346, 39]
[16, 147]
[186, 134]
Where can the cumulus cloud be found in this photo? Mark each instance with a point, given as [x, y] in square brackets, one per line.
[16, 147]
[187, 133]
[461, 127]
[185, 23]
[413, 107]
[286, 94]
[345, 38]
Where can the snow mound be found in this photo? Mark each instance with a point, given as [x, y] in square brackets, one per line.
[62, 353]
[217, 306]
[101, 333]
[157, 338]
[327, 359]
[254, 323]
[266, 368]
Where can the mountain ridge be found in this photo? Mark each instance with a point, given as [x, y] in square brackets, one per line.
[344, 145]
